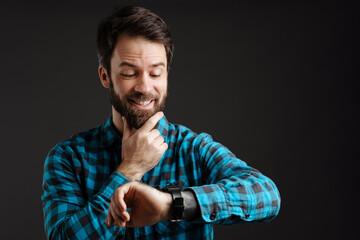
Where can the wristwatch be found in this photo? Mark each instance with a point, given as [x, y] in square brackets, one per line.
[178, 202]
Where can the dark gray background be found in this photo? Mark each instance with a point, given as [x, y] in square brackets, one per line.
[276, 82]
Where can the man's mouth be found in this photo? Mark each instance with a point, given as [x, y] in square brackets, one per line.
[142, 104]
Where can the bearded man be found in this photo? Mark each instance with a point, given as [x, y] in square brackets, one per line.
[139, 176]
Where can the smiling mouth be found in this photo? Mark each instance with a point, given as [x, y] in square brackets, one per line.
[141, 103]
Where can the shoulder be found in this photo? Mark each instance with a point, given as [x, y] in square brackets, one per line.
[88, 138]
[80, 141]
[185, 134]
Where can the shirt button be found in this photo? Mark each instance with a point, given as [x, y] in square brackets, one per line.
[213, 216]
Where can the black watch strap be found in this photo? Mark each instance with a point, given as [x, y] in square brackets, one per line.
[178, 202]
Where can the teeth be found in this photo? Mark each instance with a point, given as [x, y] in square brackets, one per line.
[143, 103]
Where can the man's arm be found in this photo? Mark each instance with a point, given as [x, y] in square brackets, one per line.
[233, 191]
[67, 213]
[147, 206]
[141, 148]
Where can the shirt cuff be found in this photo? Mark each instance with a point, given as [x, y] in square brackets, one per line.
[115, 180]
[212, 203]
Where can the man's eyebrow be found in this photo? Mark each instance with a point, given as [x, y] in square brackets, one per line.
[134, 66]
[158, 64]
[127, 64]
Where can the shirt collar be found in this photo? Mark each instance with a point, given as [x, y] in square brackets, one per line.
[109, 134]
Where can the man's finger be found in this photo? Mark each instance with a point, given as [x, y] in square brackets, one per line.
[120, 195]
[126, 130]
[116, 209]
[117, 219]
[151, 122]
[130, 223]
[154, 134]
[158, 140]
[110, 221]
[164, 146]
[125, 216]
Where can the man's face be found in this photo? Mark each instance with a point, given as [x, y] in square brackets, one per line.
[138, 79]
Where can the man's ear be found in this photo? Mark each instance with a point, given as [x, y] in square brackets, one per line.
[104, 77]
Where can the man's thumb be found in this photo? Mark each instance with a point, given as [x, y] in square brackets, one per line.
[126, 130]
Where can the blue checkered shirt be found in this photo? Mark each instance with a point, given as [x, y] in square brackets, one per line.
[80, 178]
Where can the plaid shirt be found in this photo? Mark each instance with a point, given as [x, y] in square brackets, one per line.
[80, 178]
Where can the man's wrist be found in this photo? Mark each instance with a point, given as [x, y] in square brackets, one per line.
[167, 213]
[191, 209]
[177, 205]
[129, 174]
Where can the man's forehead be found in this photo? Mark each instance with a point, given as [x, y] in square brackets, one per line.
[130, 48]
[140, 62]
[134, 64]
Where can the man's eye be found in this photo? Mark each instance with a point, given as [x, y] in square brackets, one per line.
[154, 75]
[128, 75]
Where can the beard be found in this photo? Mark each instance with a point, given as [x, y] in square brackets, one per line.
[136, 117]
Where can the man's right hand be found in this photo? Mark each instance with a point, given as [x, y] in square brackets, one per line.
[142, 149]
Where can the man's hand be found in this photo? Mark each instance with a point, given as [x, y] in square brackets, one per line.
[147, 206]
[142, 149]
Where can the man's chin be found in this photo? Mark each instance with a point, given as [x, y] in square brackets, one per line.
[135, 116]
[136, 119]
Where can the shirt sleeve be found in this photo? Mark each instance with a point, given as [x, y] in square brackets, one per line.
[233, 192]
[68, 214]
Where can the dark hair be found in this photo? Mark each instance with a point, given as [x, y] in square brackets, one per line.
[134, 21]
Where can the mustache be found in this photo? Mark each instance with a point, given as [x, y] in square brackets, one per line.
[142, 97]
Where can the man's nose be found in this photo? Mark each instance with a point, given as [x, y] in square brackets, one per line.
[143, 84]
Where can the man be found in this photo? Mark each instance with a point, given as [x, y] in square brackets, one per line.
[138, 176]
